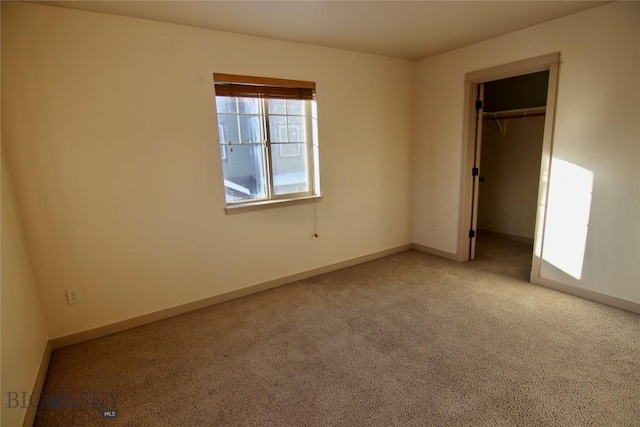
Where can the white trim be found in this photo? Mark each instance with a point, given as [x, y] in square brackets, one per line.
[512, 69]
[545, 170]
[123, 325]
[312, 173]
[38, 385]
[436, 252]
[475, 180]
[620, 303]
[466, 186]
[267, 204]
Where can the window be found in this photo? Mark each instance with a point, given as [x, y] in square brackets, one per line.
[268, 138]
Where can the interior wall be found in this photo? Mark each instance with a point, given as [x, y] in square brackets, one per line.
[596, 129]
[24, 335]
[510, 166]
[111, 131]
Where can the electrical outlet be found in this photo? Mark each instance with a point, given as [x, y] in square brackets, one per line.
[73, 296]
[434, 227]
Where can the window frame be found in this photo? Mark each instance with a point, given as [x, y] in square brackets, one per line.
[265, 89]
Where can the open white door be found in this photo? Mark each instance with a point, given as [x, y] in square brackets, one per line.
[475, 175]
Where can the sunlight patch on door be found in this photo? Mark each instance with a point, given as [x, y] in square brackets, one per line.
[568, 210]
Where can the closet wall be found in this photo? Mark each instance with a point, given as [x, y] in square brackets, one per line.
[510, 154]
[510, 166]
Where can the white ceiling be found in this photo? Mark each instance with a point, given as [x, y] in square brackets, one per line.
[404, 29]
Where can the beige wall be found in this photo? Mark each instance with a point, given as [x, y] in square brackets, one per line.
[510, 165]
[24, 335]
[110, 128]
[597, 129]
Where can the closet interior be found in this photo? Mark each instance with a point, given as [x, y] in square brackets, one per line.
[513, 118]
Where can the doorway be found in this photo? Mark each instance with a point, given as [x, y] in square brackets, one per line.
[509, 148]
[509, 130]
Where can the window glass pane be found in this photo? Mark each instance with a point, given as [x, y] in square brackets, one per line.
[246, 170]
[251, 129]
[296, 129]
[228, 128]
[249, 105]
[243, 167]
[278, 128]
[290, 173]
[295, 107]
[226, 104]
[277, 106]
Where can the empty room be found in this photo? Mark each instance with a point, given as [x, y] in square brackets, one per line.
[320, 213]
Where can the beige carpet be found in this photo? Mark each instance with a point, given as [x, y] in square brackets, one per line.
[408, 340]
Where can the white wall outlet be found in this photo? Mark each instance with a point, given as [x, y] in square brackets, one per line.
[434, 227]
[73, 296]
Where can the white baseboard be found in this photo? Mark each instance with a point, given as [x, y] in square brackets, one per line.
[144, 319]
[622, 304]
[436, 252]
[32, 408]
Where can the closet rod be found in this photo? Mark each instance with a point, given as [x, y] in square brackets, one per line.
[532, 110]
[515, 116]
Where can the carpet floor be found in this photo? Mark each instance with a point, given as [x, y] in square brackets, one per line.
[407, 340]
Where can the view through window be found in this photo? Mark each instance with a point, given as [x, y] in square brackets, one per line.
[268, 138]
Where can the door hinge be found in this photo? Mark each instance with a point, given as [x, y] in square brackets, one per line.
[475, 172]
[472, 234]
[478, 104]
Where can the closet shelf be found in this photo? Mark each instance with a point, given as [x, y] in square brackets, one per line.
[512, 114]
